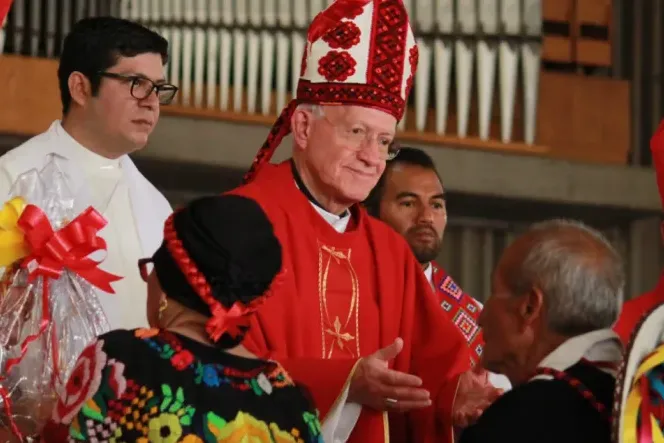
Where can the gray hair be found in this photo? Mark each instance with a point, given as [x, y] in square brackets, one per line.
[315, 109]
[580, 274]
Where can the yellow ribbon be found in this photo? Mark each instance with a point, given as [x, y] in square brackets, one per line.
[631, 433]
[12, 243]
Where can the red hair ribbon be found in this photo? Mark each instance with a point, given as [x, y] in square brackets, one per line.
[51, 252]
[231, 320]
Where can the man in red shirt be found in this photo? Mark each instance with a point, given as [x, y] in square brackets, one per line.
[637, 307]
[353, 318]
[411, 199]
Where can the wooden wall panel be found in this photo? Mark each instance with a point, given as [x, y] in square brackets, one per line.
[29, 97]
[584, 118]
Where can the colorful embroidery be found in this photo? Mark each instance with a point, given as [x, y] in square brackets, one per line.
[101, 405]
[446, 305]
[478, 350]
[463, 310]
[449, 287]
[169, 348]
[337, 66]
[466, 325]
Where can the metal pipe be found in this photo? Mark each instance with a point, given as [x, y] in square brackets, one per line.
[637, 84]
[657, 64]
[617, 39]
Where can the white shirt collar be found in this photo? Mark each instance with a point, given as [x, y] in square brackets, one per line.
[428, 273]
[601, 345]
[72, 150]
[338, 222]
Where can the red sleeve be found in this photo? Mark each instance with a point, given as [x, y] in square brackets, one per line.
[325, 379]
[439, 354]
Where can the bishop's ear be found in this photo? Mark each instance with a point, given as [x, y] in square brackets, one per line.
[80, 88]
[301, 127]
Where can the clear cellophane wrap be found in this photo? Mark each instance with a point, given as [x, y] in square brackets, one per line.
[38, 354]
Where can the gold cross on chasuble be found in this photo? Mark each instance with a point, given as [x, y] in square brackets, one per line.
[338, 294]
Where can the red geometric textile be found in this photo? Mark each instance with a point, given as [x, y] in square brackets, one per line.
[344, 36]
[336, 66]
[463, 309]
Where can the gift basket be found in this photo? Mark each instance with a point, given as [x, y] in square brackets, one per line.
[49, 310]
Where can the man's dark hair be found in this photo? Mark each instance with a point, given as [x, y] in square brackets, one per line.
[95, 45]
[406, 156]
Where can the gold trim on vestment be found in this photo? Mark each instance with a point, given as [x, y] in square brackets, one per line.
[334, 327]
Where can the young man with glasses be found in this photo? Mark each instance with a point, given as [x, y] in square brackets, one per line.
[112, 84]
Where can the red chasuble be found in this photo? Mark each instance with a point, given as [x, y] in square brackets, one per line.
[463, 310]
[346, 295]
[633, 310]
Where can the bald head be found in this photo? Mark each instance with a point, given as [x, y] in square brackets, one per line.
[576, 269]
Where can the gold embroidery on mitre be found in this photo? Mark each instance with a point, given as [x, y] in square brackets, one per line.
[336, 334]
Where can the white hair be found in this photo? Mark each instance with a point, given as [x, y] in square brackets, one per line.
[315, 109]
[580, 274]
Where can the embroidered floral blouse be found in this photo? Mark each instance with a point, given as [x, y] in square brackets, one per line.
[157, 386]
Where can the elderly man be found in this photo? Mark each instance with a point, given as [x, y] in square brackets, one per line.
[354, 317]
[410, 198]
[111, 77]
[556, 292]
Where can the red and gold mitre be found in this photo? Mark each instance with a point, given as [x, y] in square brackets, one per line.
[358, 52]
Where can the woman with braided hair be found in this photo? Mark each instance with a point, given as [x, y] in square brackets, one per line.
[189, 379]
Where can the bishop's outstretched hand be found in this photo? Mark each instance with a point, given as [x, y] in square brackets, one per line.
[376, 386]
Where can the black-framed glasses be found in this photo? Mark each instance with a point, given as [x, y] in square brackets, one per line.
[145, 267]
[142, 87]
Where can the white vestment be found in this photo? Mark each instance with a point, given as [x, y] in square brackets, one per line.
[134, 208]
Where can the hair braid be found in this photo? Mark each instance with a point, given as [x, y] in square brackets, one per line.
[233, 320]
[195, 277]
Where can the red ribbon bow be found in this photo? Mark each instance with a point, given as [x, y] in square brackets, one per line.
[51, 252]
[228, 320]
[231, 321]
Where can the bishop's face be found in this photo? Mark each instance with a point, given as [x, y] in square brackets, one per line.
[345, 151]
[413, 204]
[118, 115]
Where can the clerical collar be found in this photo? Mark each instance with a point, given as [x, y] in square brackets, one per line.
[310, 197]
[73, 150]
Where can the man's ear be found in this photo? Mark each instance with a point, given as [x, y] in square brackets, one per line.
[531, 306]
[80, 88]
[301, 125]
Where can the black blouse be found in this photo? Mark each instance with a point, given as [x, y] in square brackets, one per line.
[150, 385]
